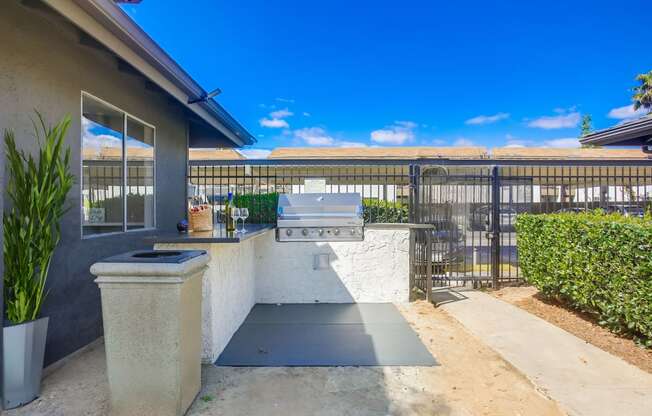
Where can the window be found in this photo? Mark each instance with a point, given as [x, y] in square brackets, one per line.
[117, 161]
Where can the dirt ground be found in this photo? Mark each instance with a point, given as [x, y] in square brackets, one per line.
[471, 380]
[578, 324]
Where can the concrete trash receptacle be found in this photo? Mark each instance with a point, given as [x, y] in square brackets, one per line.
[151, 307]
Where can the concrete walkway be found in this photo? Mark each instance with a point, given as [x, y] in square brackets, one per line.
[583, 379]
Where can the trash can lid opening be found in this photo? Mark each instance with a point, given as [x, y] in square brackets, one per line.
[155, 256]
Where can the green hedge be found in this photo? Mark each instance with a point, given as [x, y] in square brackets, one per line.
[262, 207]
[380, 211]
[597, 263]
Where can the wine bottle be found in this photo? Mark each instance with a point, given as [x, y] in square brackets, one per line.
[227, 213]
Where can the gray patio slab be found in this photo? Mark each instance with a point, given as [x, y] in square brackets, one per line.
[318, 335]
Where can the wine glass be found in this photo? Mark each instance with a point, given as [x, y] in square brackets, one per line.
[235, 214]
[244, 214]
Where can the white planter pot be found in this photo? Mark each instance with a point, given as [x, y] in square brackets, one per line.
[23, 352]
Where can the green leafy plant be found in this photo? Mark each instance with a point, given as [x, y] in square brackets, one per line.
[37, 189]
[643, 92]
[262, 207]
[381, 211]
[597, 263]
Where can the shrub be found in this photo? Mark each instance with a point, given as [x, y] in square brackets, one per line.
[597, 263]
[380, 211]
[262, 207]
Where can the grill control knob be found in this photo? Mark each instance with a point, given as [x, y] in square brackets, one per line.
[352, 231]
[304, 231]
[321, 232]
[288, 232]
[336, 231]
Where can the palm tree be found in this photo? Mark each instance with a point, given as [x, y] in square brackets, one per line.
[643, 92]
[587, 124]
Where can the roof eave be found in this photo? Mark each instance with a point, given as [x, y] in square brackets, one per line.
[119, 24]
[635, 132]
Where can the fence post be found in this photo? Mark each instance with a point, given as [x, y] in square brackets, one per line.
[430, 269]
[415, 173]
[413, 258]
[495, 225]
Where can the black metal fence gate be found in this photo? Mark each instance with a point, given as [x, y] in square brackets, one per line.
[466, 210]
[461, 243]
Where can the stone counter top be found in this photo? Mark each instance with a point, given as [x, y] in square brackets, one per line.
[218, 235]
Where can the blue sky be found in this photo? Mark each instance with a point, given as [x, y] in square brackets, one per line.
[338, 73]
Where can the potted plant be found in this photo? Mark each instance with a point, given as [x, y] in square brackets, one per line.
[37, 190]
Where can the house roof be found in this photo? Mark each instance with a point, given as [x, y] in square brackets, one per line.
[115, 153]
[216, 154]
[633, 133]
[107, 23]
[550, 153]
[379, 153]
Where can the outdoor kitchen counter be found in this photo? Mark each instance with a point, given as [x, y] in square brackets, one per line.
[218, 235]
[258, 269]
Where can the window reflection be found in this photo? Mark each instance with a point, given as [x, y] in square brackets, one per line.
[140, 175]
[102, 168]
[115, 144]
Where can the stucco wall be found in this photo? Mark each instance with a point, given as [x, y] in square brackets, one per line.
[228, 292]
[375, 270]
[260, 270]
[45, 67]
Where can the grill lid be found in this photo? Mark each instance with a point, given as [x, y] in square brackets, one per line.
[297, 206]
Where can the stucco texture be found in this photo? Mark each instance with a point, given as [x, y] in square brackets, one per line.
[228, 292]
[374, 270]
[261, 270]
[44, 66]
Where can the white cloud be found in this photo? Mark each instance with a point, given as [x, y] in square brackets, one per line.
[281, 113]
[306, 114]
[515, 141]
[406, 124]
[626, 113]
[285, 100]
[563, 142]
[487, 119]
[255, 153]
[97, 141]
[274, 123]
[351, 144]
[561, 121]
[314, 136]
[398, 133]
[463, 142]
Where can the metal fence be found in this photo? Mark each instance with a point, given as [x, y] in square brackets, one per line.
[470, 206]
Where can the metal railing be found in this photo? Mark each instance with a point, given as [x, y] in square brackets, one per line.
[471, 206]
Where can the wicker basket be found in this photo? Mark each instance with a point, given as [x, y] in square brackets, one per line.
[200, 218]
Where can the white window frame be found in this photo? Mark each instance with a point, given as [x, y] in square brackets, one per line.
[125, 115]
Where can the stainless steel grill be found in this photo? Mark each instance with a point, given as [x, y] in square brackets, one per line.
[320, 217]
